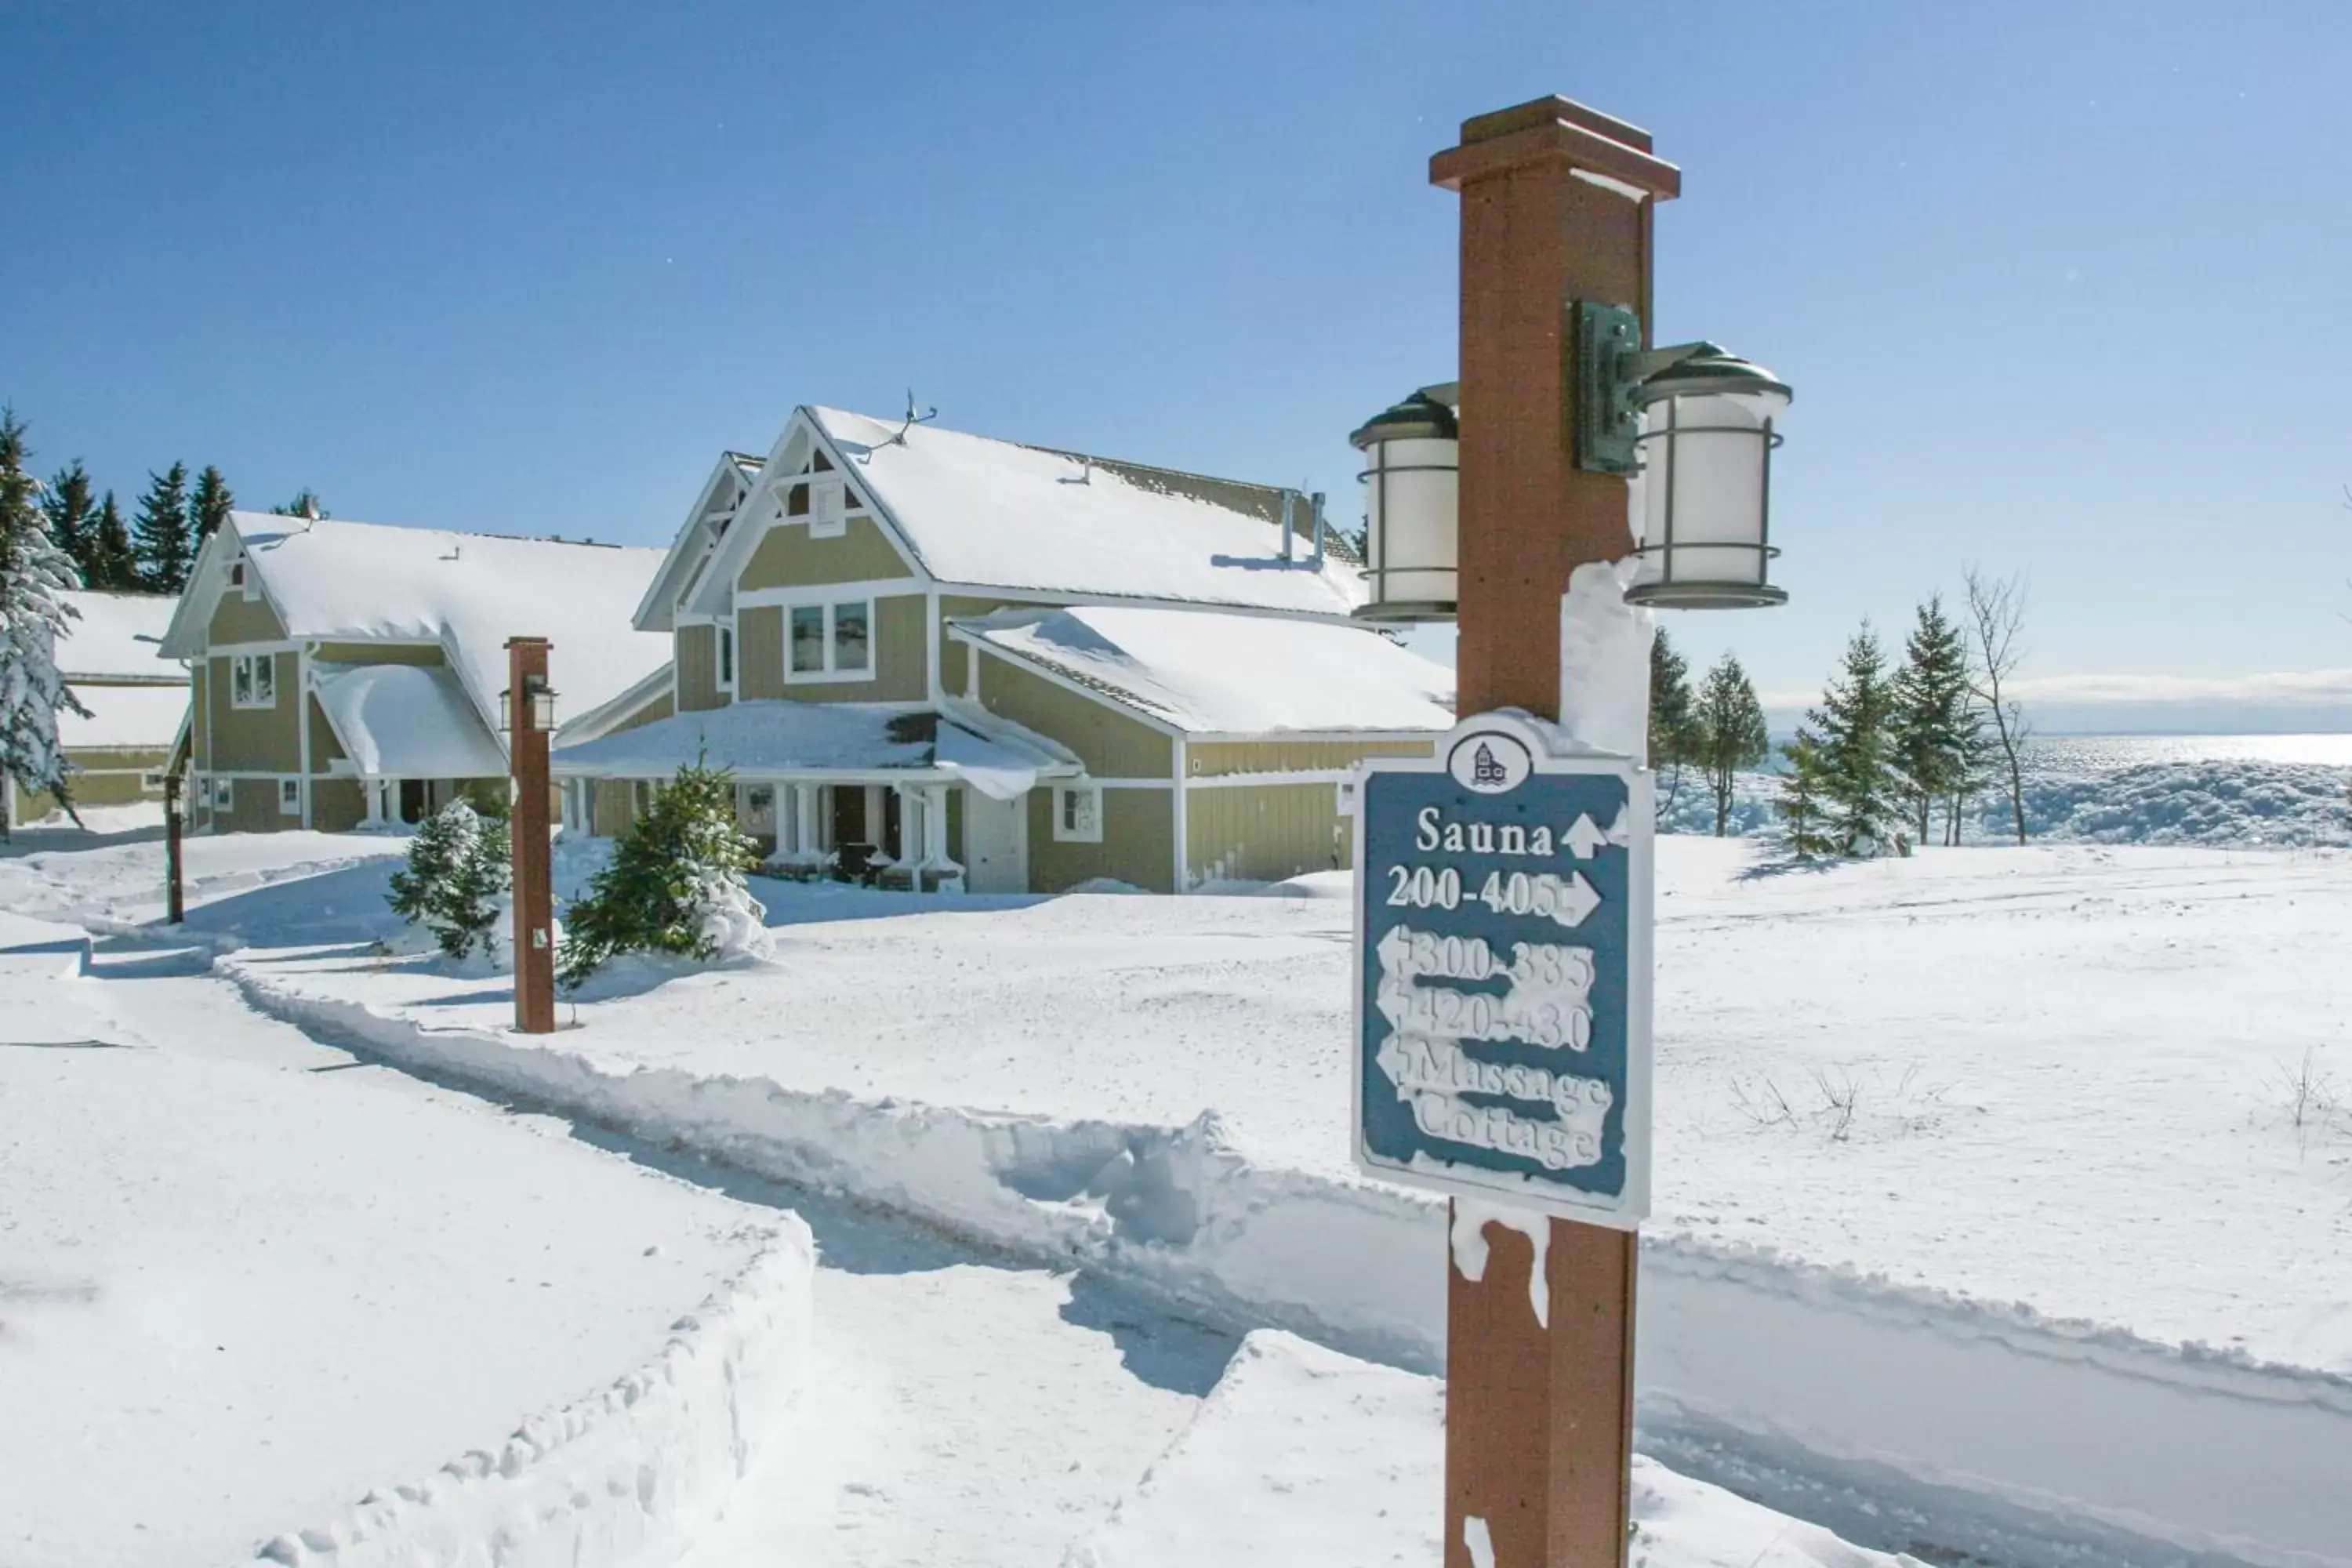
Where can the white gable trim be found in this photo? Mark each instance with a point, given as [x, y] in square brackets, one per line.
[689, 545]
[190, 633]
[782, 468]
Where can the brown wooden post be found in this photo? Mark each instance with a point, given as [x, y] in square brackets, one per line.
[534, 897]
[174, 903]
[1556, 206]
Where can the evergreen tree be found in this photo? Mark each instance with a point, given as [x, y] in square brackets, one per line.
[1860, 792]
[1932, 723]
[72, 515]
[456, 878]
[159, 531]
[208, 507]
[675, 884]
[113, 564]
[1673, 718]
[1800, 804]
[304, 504]
[1730, 734]
[33, 573]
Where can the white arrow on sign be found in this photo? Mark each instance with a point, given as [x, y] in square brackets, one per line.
[1586, 837]
[1577, 899]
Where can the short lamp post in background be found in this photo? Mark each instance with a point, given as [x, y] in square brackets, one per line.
[1568, 446]
[175, 909]
[526, 715]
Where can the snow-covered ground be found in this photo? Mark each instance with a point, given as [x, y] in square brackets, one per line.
[2017, 1075]
[113, 873]
[246, 1279]
[2045, 1075]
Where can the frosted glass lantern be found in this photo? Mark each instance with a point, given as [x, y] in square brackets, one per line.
[1411, 455]
[1706, 469]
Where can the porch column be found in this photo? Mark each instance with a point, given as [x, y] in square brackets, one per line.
[935, 837]
[372, 797]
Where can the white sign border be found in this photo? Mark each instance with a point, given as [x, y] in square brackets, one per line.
[1554, 753]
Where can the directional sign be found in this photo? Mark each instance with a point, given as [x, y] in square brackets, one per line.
[1503, 972]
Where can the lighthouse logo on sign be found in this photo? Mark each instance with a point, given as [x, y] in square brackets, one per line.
[1491, 762]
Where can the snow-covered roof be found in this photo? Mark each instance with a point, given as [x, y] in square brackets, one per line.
[768, 739]
[407, 721]
[145, 717]
[1203, 672]
[344, 581]
[118, 636]
[1000, 514]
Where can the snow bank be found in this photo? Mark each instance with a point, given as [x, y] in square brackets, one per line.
[619, 1479]
[1370, 1487]
[2013, 1434]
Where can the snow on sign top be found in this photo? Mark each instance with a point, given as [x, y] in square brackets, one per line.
[118, 636]
[998, 513]
[1247, 675]
[469, 592]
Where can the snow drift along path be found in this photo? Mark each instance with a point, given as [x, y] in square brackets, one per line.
[218, 1246]
[1965, 1427]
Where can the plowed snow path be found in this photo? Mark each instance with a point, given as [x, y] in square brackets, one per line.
[968, 1411]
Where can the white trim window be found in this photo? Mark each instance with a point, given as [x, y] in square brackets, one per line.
[289, 797]
[829, 641]
[724, 655]
[241, 578]
[253, 680]
[224, 794]
[1077, 814]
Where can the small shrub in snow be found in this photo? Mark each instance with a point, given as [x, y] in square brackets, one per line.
[456, 879]
[675, 884]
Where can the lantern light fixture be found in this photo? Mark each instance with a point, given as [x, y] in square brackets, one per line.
[542, 706]
[1697, 423]
[1412, 455]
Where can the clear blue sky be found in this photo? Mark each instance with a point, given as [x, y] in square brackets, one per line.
[2062, 287]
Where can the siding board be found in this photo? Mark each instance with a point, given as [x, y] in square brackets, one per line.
[786, 557]
[697, 669]
[1139, 843]
[1110, 744]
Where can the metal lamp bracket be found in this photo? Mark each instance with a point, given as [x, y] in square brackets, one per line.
[1610, 366]
[1608, 424]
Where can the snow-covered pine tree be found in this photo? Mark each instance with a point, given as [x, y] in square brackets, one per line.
[1729, 723]
[456, 878]
[1800, 804]
[33, 573]
[1859, 793]
[1932, 720]
[675, 884]
[159, 531]
[72, 514]
[1674, 721]
[110, 563]
[208, 507]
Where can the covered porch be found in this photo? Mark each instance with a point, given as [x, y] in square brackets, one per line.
[927, 798]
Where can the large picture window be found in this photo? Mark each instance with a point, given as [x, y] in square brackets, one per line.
[253, 680]
[830, 642]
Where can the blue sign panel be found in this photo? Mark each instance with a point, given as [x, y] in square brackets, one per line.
[1503, 972]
